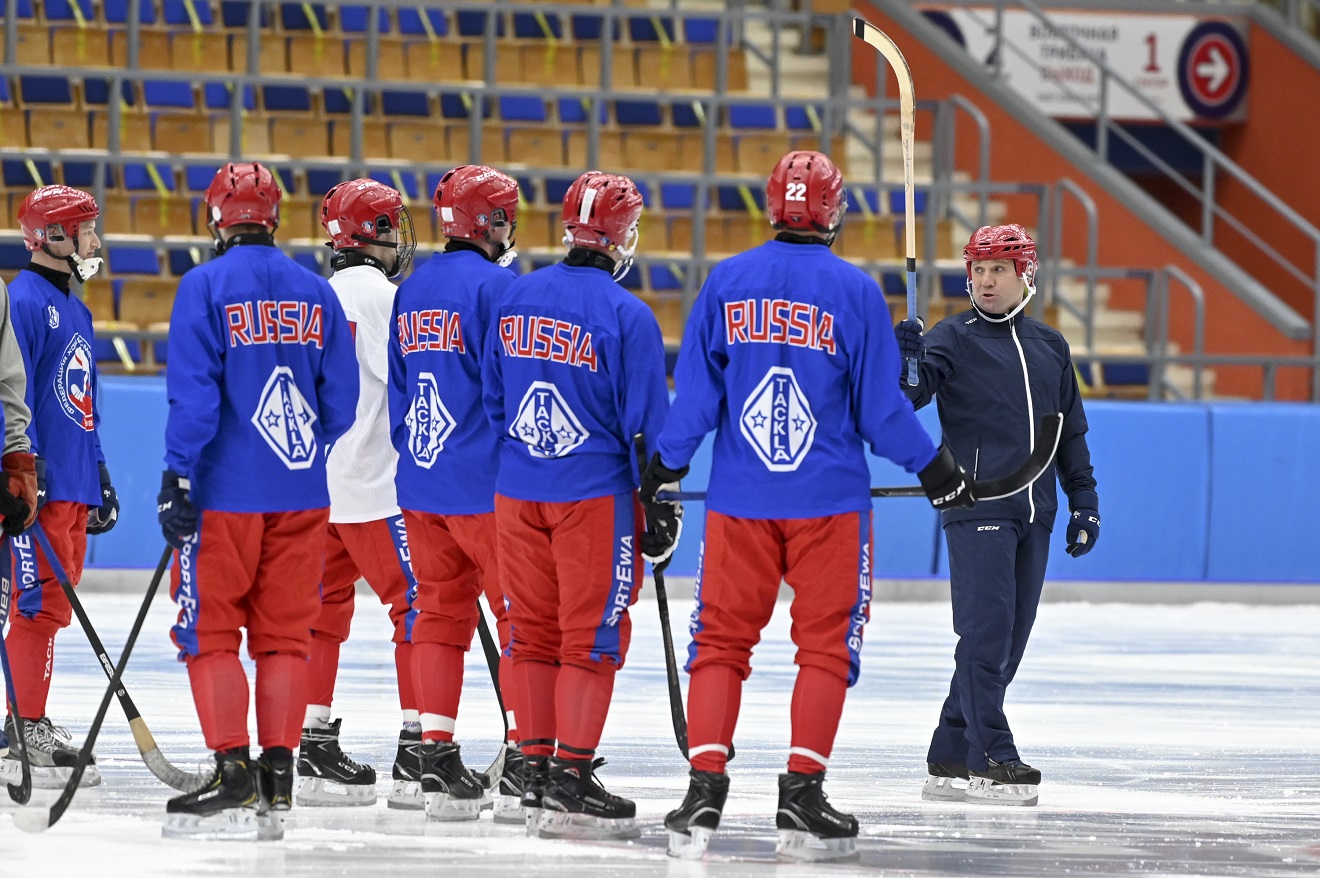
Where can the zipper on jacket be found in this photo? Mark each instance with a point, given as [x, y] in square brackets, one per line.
[1031, 416]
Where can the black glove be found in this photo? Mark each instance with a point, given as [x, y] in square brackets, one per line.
[101, 519]
[664, 518]
[40, 465]
[1083, 531]
[911, 343]
[174, 510]
[15, 511]
[946, 483]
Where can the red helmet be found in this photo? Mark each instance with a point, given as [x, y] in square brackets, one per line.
[805, 192]
[601, 211]
[54, 206]
[472, 199]
[243, 192]
[1003, 242]
[357, 213]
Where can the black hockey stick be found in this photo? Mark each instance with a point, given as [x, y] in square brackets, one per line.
[492, 651]
[41, 818]
[183, 781]
[22, 791]
[676, 711]
[1036, 465]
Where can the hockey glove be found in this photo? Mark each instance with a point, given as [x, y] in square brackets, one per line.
[39, 466]
[13, 513]
[101, 519]
[946, 483]
[664, 518]
[911, 343]
[1083, 531]
[20, 469]
[174, 509]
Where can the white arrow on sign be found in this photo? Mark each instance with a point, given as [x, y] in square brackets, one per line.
[1216, 69]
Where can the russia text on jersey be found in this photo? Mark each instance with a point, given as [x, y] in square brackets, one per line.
[269, 321]
[545, 338]
[779, 321]
[433, 329]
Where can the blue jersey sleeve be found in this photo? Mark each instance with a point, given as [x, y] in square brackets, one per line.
[337, 385]
[192, 382]
[26, 316]
[642, 385]
[492, 378]
[885, 417]
[699, 381]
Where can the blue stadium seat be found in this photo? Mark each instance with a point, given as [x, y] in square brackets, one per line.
[234, 13]
[182, 259]
[870, 196]
[517, 108]
[572, 111]
[701, 30]
[25, 11]
[293, 16]
[533, 25]
[556, 187]
[638, 113]
[62, 10]
[800, 118]
[127, 259]
[685, 115]
[634, 279]
[286, 98]
[6, 98]
[731, 198]
[340, 100]
[472, 22]
[14, 257]
[355, 20]
[197, 177]
[587, 27]
[218, 96]
[643, 28]
[97, 92]
[432, 181]
[405, 103]
[45, 90]
[527, 188]
[896, 201]
[82, 175]
[116, 11]
[643, 189]
[753, 116]
[168, 93]
[176, 12]
[678, 196]
[309, 261]
[893, 283]
[953, 286]
[1129, 374]
[17, 174]
[457, 106]
[322, 180]
[393, 179]
[412, 23]
[665, 277]
[138, 177]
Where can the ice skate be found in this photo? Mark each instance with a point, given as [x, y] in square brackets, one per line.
[1011, 782]
[223, 810]
[575, 805]
[694, 822]
[451, 792]
[328, 777]
[809, 827]
[509, 790]
[51, 757]
[406, 794]
[536, 774]
[947, 782]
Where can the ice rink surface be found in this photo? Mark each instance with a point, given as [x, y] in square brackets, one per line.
[1174, 740]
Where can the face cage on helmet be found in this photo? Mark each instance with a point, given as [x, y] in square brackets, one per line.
[404, 247]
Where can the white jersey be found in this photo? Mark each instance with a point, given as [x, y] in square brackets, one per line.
[360, 469]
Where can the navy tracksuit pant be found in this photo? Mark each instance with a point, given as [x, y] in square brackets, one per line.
[996, 570]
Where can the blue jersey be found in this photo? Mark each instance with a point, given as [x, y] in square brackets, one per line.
[262, 378]
[789, 354]
[577, 369]
[54, 332]
[448, 456]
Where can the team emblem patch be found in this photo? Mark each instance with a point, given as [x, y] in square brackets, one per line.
[777, 421]
[53, 317]
[546, 424]
[73, 383]
[284, 419]
[429, 422]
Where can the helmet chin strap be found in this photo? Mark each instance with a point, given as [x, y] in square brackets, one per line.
[83, 269]
[1000, 318]
[625, 264]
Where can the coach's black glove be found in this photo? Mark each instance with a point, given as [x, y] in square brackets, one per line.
[911, 343]
[945, 482]
[174, 510]
[664, 518]
[101, 519]
[1083, 531]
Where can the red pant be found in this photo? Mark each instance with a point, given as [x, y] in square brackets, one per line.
[454, 560]
[258, 571]
[42, 603]
[369, 550]
[826, 560]
[570, 571]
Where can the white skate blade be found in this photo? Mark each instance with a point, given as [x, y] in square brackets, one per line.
[509, 809]
[795, 844]
[560, 824]
[320, 792]
[691, 846]
[445, 809]
[944, 789]
[48, 777]
[984, 791]
[231, 824]
[406, 795]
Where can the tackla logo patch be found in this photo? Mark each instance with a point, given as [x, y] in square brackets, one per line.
[73, 383]
[545, 422]
[284, 419]
[429, 422]
[777, 421]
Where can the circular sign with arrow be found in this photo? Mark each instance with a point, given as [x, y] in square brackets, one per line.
[1212, 69]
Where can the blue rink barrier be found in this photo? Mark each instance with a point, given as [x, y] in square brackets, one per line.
[1188, 492]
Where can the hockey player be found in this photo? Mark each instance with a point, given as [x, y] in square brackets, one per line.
[448, 458]
[75, 496]
[788, 355]
[991, 369]
[577, 369]
[18, 463]
[372, 236]
[262, 379]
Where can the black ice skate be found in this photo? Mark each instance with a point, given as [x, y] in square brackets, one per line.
[406, 794]
[275, 786]
[575, 805]
[225, 809]
[947, 782]
[51, 756]
[695, 821]
[809, 827]
[451, 791]
[535, 775]
[510, 788]
[328, 777]
[1011, 782]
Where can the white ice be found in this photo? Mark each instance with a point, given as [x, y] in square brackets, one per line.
[1174, 740]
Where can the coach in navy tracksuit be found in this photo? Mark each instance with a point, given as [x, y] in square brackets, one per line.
[994, 371]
